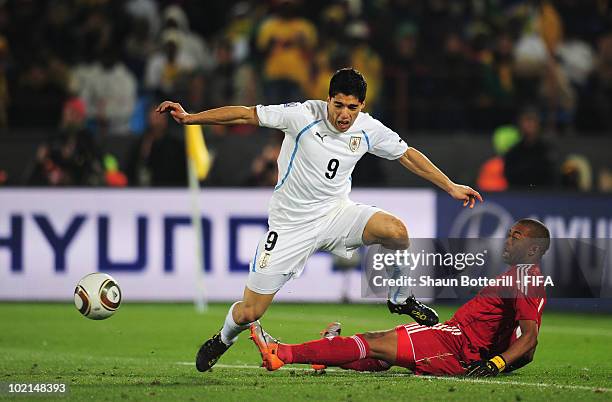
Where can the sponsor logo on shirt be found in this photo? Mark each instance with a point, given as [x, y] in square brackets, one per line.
[291, 104]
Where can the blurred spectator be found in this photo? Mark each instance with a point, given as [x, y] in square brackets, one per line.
[407, 81]
[497, 104]
[585, 19]
[577, 59]
[4, 81]
[576, 173]
[529, 163]
[109, 91]
[192, 45]
[158, 158]
[38, 94]
[366, 60]
[145, 10]
[70, 157]
[264, 169]
[529, 66]
[240, 29]
[454, 75]
[604, 181]
[58, 29]
[438, 18]
[491, 175]
[166, 67]
[138, 45]
[595, 105]
[537, 72]
[222, 86]
[327, 57]
[230, 83]
[558, 96]
[438, 65]
[287, 42]
[113, 177]
[522, 50]
[94, 31]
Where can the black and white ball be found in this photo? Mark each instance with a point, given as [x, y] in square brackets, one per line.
[97, 296]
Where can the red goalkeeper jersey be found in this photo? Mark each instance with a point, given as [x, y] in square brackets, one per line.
[490, 321]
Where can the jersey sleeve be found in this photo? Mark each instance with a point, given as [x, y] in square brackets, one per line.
[385, 143]
[527, 308]
[530, 296]
[281, 117]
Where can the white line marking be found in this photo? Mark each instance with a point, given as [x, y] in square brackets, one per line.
[428, 378]
[245, 366]
[528, 384]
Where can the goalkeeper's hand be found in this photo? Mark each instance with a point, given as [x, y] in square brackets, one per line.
[486, 368]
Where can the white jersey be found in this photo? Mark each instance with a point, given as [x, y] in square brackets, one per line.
[316, 160]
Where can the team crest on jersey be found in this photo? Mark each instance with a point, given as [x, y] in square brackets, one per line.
[354, 143]
[264, 260]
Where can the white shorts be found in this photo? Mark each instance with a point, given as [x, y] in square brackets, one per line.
[282, 254]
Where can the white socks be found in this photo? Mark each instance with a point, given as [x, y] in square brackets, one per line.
[397, 294]
[231, 330]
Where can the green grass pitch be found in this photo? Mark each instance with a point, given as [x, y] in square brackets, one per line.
[146, 352]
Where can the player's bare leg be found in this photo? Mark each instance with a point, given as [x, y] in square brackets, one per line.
[383, 345]
[240, 315]
[390, 232]
[252, 307]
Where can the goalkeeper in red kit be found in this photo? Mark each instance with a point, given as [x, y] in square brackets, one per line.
[495, 331]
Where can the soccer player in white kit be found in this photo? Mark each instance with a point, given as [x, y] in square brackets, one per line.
[310, 209]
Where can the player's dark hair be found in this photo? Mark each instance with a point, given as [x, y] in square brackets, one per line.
[538, 231]
[348, 81]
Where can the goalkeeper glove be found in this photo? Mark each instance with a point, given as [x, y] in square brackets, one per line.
[486, 368]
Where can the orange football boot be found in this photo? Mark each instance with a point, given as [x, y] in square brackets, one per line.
[268, 347]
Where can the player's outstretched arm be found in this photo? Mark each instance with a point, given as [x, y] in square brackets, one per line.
[420, 165]
[524, 346]
[227, 115]
[521, 361]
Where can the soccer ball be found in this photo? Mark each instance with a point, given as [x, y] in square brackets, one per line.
[97, 296]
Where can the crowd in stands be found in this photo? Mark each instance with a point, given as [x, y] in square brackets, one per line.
[87, 69]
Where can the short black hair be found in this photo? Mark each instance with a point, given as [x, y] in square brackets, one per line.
[348, 81]
[538, 231]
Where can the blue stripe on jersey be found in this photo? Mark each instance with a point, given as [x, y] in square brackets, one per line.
[255, 259]
[367, 139]
[297, 140]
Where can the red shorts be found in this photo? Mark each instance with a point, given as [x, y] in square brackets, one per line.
[430, 350]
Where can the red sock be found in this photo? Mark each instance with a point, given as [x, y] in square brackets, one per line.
[367, 364]
[329, 351]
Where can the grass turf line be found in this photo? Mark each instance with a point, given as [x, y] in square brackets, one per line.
[134, 355]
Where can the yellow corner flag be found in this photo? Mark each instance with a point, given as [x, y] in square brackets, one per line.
[197, 151]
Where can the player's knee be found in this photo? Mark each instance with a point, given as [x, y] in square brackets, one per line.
[398, 235]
